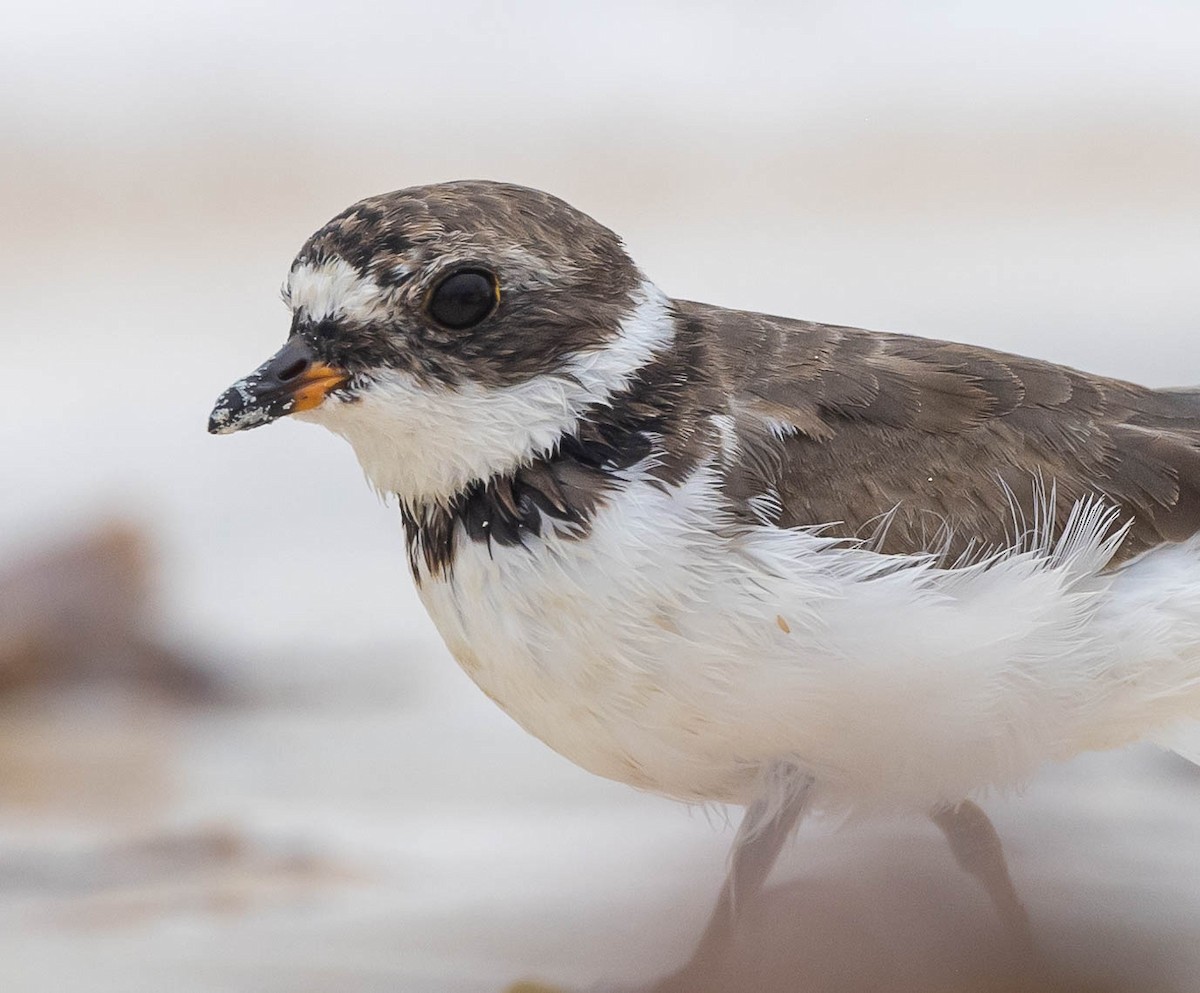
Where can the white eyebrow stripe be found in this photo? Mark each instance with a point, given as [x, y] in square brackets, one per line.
[334, 288]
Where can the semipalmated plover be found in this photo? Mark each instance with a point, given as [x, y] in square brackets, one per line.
[738, 558]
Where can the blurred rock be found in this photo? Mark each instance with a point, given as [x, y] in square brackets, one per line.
[79, 612]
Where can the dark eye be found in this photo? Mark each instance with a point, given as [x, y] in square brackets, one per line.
[464, 298]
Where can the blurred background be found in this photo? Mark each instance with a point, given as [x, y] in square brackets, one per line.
[234, 754]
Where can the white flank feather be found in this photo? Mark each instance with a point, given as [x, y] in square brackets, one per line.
[1183, 739]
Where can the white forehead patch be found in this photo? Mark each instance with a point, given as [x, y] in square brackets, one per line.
[334, 288]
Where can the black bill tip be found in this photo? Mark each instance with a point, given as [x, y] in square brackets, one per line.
[242, 407]
[293, 379]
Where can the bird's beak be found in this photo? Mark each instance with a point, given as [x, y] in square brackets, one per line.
[293, 379]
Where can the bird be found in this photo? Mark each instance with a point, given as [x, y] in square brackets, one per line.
[742, 559]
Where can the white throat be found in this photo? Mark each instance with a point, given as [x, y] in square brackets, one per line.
[426, 443]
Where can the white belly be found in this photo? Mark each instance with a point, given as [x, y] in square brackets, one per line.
[670, 652]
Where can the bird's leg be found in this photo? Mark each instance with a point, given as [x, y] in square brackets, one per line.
[977, 849]
[764, 829]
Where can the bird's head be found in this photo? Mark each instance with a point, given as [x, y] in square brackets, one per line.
[453, 332]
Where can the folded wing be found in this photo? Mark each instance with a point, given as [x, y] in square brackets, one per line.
[956, 448]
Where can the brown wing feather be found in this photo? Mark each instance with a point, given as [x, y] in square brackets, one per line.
[845, 427]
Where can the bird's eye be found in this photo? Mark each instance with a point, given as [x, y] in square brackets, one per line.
[464, 298]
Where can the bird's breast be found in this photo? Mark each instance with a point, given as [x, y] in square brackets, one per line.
[587, 636]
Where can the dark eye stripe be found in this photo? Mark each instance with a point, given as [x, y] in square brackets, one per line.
[464, 299]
